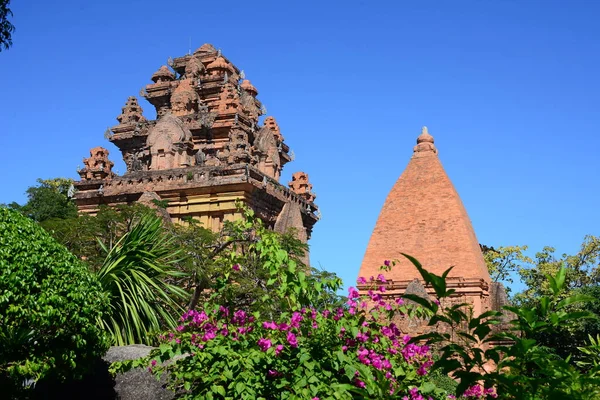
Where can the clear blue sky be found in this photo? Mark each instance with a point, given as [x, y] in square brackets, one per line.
[509, 89]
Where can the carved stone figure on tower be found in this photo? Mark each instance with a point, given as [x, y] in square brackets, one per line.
[194, 68]
[170, 144]
[267, 152]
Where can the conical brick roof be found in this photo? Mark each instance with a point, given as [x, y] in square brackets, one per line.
[424, 216]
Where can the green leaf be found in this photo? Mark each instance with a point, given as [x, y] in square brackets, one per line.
[421, 301]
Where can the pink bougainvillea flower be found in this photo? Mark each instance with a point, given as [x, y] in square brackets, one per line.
[278, 349]
[381, 278]
[270, 325]
[291, 338]
[239, 317]
[264, 344]
[236, 267]
[283, 327]
[295, 320]
[386, 263]
[361, 280]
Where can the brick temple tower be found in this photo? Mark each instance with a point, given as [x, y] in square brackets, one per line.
[205, 150]
[424, 217]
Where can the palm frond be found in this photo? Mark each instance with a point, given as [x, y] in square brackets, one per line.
[134, 275]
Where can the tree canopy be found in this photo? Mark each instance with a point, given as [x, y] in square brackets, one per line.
[6, 28]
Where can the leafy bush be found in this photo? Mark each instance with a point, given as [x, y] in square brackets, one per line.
[521, 367]
[310, 348]
[50, 305]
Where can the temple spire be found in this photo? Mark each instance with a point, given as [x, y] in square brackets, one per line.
[424, 216]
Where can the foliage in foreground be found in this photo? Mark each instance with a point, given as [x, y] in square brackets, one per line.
[521, 367]
[310, 349]
[134, 276]
[49, 305]
[48, 200]
[582, 277]
[222, 351]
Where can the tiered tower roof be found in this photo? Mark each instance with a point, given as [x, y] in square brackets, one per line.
[206, 148]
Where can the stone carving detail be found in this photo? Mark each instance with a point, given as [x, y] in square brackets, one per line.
[194, 68]
[206, 118]
[229, 99]
[135, 161]
[170, 144]
[131, 112]
[266, 149]
[97, 166]
[239, 147]
[184, 100]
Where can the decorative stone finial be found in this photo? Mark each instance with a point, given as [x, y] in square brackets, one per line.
[97, 166]
[249, 87]
[302, 187]
[424, 136]
[131, 112]
[425, 142]
[220, 64]
[205, 48]
[163, 75]
[272, 125]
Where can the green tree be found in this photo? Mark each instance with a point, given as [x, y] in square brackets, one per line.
[209, 255]
[582, 269]
[6, 28]
[48, 200]
[581, 278]
[525, 368]
[505, 262]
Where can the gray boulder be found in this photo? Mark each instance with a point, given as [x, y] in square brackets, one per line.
[137, 383]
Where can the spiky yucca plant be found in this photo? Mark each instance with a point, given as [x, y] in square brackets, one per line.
[134, 275]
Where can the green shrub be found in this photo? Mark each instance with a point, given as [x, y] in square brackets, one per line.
[50, 305]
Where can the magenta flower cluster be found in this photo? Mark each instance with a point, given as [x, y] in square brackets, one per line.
[360, 331]
[479, 392]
